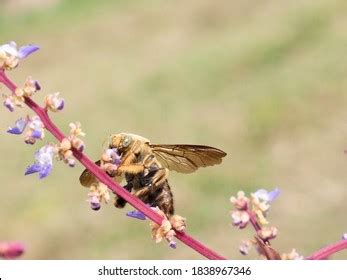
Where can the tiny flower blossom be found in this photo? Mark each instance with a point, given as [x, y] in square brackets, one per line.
[65, 153]
[164, 230]
[43, 162]
[173, 244]
[35, 130]
[78, 144]
[8, 103]
[261, 200]
[112, 156]
[110, 160]
[30, 87]
[12, 100]
[11, 250]
[241, 201]
[245, 246]
[267, 233]
[136, 214]
[170, 238]
[10, 54]
[76, 129]
[178, 222]
[240, 218]
[293, 255]
[75, 132]
[266, 196]
[98, 193]
[19, 126]
[18, 97]
[344, 236]
[54, 103]
[94, 203]
[160, 231]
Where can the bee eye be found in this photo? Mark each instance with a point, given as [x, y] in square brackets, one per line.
[126, 141]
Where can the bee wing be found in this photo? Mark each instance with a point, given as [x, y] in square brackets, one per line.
[87, 178]
[187, 158]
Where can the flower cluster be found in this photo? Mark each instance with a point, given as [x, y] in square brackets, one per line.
[110, 160]
[98, 193]
[43, 161]
[293, 255]
[166, 229]
[44, 157]
[54, 103]
[255, 210]
[17, 98]
[64, 152]
[35, 129]
[10, 54]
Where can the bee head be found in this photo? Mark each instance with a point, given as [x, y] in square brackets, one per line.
[124, 141]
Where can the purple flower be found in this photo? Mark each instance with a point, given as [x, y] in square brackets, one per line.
[8, 103]
[240, 218]
[43, 162]
[94, 203]
[114, 156]
[27, 50]
[173, 244]
[37, 85]
[266, 196]
[35, 130]
[36, 124]
[54, 103]
[136, 214]
[24, 51]
[19, 126]
[37, 134]
[245, 247]
[60, 104]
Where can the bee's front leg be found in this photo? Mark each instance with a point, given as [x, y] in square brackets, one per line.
[130, 169]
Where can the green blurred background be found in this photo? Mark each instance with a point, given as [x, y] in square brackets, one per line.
[263, 80]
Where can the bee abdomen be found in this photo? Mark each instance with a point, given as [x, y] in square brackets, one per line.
[163, 198]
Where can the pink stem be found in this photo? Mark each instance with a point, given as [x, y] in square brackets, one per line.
[105, 179]
[329, 250]
[253, 221]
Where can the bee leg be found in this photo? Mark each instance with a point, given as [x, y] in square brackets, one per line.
[120, 202]
[143, 194]
[130, 169]
[160, 177]
[154, 178]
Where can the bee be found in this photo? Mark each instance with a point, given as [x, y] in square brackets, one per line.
[146, 166]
